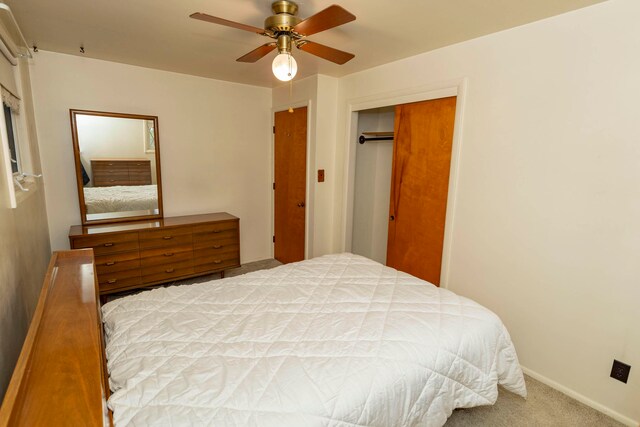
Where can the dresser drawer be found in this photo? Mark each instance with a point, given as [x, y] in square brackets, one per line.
[120, 261]
[217, 251]
[217, 262]
[136, 180]
[103, 244]
[165, 256]
[214, 243]
[119, 278]
[211, 231]
[111, 182]
[168, 271]
[107, 165]
[140, 175]
[167, 267]
[139, 165]
[165, 237]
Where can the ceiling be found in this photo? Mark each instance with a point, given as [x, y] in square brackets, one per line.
[159, 33]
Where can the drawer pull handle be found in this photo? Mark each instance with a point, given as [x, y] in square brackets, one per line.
[169, 254]
[217, 246]
[107, 245]
[167, 237]
[169, 270]
[218, 261]
[216, 231]
[112, 281]
[110, 263]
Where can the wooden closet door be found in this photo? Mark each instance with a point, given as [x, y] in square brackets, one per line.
[419, 186]
[290, 184]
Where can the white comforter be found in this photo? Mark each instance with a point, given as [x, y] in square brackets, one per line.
[120, 198]
[338, 340]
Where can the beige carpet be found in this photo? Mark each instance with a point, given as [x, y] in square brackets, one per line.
[544, 406]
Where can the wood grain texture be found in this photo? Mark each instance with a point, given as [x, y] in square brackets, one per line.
[420, 186]
[59, 378]
[144, 253]
[221, 21]
[290, 172]
[332, 16]
[110, 172]
[257, 53]
[325, 52]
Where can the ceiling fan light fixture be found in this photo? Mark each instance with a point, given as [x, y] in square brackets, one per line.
[284, 66]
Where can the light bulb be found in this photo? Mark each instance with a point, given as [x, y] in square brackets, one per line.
[284, 67]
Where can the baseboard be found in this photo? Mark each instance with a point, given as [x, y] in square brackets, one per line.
[581, 398]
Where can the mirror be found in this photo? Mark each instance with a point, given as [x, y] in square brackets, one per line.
[117, 159]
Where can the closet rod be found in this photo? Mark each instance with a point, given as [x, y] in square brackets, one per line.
[364, 139]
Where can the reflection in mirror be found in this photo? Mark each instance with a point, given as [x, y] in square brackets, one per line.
[118, 166]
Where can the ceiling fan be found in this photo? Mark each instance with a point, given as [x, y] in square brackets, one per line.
[289, 30]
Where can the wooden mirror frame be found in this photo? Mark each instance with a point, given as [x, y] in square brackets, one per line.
[76, 152]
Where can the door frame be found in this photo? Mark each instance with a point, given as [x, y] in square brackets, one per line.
[309, 187]
[457, 88]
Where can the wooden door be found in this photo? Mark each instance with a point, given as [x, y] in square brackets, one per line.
[290, 184]
[419, 186]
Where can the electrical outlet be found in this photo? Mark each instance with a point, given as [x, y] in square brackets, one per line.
[620, 371]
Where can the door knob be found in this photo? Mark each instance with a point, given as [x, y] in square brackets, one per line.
[392, 218]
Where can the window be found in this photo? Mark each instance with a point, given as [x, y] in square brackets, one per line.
[11, 140]
[16, 161]
[150, 137]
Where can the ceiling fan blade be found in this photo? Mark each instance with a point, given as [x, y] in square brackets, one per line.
[330, 17]
[326, 52]
[257, 53]
[226, 22]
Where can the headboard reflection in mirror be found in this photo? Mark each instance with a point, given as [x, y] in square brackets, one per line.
[117, 158]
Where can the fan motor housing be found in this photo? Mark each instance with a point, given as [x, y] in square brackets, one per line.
[284, 6]
[284, 19]
[281, 22]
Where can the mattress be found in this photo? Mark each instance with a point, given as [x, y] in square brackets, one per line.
[120, 198]
[338, 340]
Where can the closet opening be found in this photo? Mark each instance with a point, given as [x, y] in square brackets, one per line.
[401, 174]
[372, 184]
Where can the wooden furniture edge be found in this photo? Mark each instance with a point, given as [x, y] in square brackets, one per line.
[19, 372]
[15, 393]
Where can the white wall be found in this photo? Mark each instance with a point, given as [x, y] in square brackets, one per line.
[214, 139]
[24, 239]
[547, 221]
[372, 187]
[112, 137]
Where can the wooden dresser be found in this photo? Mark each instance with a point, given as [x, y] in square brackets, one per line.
[60, 377]
[108, 172]
[142, 253]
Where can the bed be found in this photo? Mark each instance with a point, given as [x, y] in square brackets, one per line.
[337, 340]
[120, 198]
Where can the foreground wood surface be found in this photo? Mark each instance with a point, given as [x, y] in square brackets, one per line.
[59, 378]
